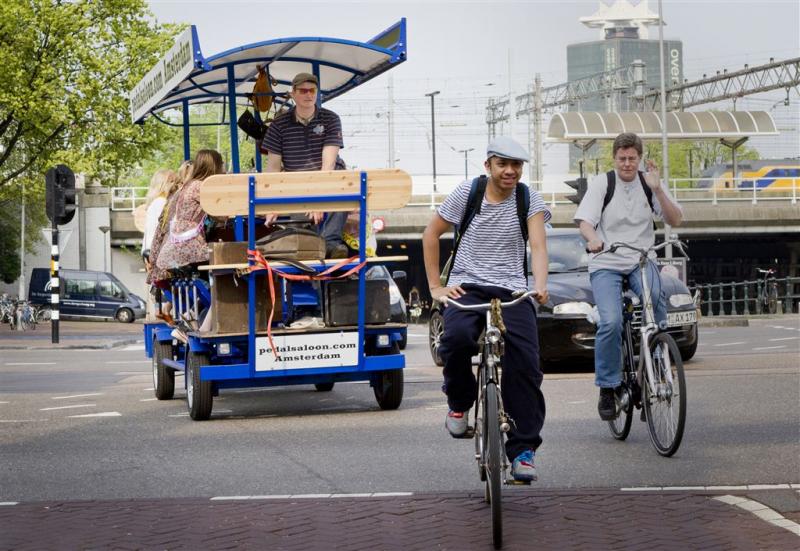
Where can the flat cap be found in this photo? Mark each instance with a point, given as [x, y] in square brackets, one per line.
[300, 78]
[506, 148]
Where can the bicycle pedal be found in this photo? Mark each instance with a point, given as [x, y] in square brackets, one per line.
[515, 482]
[469, 433]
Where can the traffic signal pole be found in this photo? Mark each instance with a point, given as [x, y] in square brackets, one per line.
[55, 284]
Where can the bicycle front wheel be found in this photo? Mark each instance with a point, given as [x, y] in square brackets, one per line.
[665, 409]
[620, 426]
[493, 448]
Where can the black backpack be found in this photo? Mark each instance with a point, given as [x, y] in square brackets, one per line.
[474, 201]
[612, 184]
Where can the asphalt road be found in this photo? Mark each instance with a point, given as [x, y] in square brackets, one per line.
[78, 424]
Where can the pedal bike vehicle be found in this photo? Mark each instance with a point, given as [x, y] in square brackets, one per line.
[490, 421]
[767, 292]
[652, 376]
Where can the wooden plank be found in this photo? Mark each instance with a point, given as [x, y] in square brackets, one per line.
[312, 263]
[226, 194]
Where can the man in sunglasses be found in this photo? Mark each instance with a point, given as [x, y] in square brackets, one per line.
[308, 137]
[620, 206]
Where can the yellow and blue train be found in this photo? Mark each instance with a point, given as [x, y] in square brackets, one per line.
[769, 174]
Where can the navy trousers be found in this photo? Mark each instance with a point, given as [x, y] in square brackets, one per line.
[521, 378]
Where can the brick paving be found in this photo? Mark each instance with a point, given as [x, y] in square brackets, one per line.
[533, 519]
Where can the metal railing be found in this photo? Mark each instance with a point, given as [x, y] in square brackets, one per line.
[743, 298]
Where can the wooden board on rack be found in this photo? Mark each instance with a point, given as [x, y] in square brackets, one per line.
[227, 194]
[312, 263]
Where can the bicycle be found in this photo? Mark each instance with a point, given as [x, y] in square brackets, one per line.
[23, 316]
[490, 421]
[654, 382]
[767, 292]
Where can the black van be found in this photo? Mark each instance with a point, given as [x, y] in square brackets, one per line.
[87, 294]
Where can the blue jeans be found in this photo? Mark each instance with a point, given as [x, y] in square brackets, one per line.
[332, 227]
[607, 289]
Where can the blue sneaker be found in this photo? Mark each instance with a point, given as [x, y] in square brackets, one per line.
[522, 468]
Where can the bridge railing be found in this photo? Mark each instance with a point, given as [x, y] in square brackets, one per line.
[743, 298]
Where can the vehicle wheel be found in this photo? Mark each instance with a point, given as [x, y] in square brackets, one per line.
[494, 475]
[43, 314]
[199, 396]
[388, 388]
[435, 331]
[163, 376]
[621, 426]
[772, 300]
[480, 451]
[688, 352]
[666, 410]
[324, 387]
[403, 342]
[124, 315]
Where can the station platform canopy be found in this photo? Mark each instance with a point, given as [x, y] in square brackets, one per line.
[681, 125]
[184, 77]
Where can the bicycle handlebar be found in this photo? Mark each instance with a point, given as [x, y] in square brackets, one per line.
[487, 305]
[618, 244]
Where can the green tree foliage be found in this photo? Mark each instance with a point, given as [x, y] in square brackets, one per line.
[65, 71]
[702, 154]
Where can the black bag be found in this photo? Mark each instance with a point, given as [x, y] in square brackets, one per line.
[251, 126]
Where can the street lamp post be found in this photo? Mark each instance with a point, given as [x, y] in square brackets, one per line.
[466, 153]
[433, 137]
[105, 229]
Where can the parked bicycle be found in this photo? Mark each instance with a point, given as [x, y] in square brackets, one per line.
[767, 292]
[490, 422]
[652, 377]
[7, 309]
[23, 316]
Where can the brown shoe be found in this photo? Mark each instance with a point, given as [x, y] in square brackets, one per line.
[339, 250]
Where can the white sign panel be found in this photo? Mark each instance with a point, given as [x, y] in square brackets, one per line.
[170, 71]
[307, 351]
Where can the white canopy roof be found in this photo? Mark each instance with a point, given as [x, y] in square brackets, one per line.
[681, 125]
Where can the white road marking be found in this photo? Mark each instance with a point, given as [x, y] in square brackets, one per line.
[742, 487]
[70, 407]
[30, 363]
[148, 399]
[130, 362]
[577, 402]
[730, 343]
[761, 511]
[417, 335]
[5, 402]
[769, 347]
[312, 496]
[132, 347]
[7, 503]
[19, 420]
[784, 339]
[76, 396]
[103, 414]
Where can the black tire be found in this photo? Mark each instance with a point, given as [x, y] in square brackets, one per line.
[163, 376]
[388, 388]
[199, 394]
[621, 426]
[665, 413]
[125, 315]
[772, 300]
[324, 387]
[688, 352]
[402, 343]
[435, 331]
[480, 428]
[494, 466]
[43, 314]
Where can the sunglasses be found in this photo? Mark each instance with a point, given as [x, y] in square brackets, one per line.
[305, 91]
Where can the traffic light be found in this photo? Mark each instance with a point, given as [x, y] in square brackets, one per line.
[579, 185]
[60, 194]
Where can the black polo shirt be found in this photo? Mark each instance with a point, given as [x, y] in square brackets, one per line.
[300, 146]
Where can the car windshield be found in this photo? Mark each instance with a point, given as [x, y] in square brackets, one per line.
[567, 253]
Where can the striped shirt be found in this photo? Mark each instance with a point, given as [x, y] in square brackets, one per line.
[299, 145]
[492, 250]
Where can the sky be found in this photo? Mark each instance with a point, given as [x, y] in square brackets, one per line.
[472, 51]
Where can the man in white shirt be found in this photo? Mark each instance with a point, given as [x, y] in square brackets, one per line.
[626, 217]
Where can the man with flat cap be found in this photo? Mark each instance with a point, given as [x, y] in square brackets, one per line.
[490, 262]
[308, 137]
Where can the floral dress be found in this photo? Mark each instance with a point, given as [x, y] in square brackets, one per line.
[185, 242]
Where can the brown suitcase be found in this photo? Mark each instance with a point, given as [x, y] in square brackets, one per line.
[293, 244]
[229, 302]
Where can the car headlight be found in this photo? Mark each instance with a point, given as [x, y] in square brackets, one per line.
[572, 309]
[680, 299]
[394, 294]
